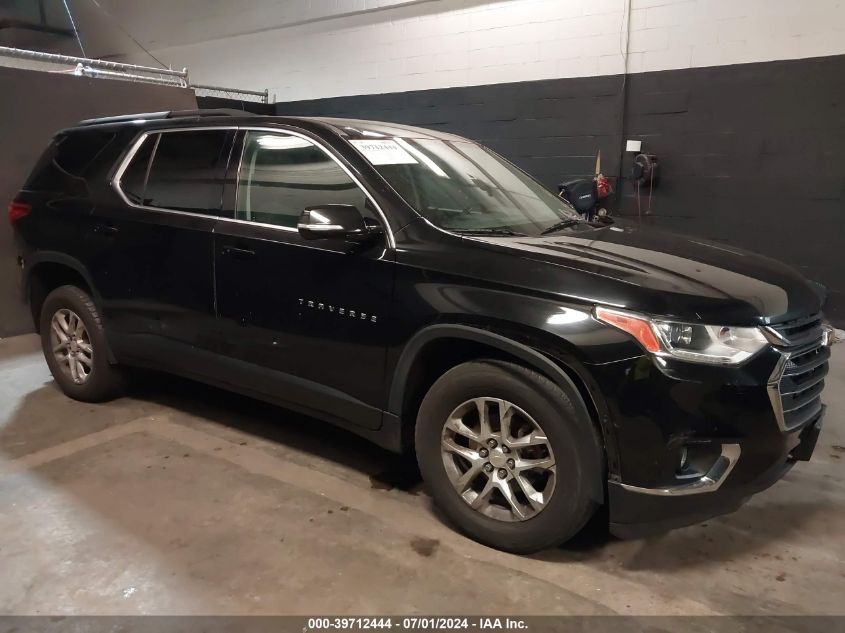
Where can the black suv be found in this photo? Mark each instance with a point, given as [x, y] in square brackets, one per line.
[419, 290]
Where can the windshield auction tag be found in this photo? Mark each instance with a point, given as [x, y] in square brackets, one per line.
[384, 152]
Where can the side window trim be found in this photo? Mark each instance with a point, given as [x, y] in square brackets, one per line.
[248, 189]
[149, 167]
[328, 152]
[126, 160]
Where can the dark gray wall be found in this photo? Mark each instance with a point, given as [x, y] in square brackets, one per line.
[750, 154]
[35, 106]
[235, 104]
[550, 128]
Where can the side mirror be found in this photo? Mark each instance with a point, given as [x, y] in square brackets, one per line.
[335, 221]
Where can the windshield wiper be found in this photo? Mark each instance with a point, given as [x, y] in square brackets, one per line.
[497, 230]
[563, 224]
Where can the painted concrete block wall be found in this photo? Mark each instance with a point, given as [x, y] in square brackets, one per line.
[397, 47]
[426, 45]
[697, 33]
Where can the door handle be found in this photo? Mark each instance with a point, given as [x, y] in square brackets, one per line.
[238, 252]
[106, 229]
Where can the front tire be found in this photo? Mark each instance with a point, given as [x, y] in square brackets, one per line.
[75, 347]
[509, 456]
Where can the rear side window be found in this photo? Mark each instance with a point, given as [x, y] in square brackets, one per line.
[182, 171]
[66, 160]
[76, 151]
[134, 178]
[187, 172]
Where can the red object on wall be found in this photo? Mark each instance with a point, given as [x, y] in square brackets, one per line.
[603, 187]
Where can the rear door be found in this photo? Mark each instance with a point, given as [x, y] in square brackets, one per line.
[305, 322]
[153, 247]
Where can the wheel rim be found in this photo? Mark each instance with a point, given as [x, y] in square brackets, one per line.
[72, 347]
[498, 459]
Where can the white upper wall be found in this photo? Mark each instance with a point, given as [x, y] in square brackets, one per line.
[163, 23]
[378, 46]
[668, 34]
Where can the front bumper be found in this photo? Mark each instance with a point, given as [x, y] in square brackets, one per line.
[718, 420]
[638, 512]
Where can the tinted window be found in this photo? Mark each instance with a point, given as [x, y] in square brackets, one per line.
[281, 175]
[134, 177]
[187, 171]
[64, 162]
[77, 151]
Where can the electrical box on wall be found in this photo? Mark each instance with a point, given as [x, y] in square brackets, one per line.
[645, 170]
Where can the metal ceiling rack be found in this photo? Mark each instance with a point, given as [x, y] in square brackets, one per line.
[262, 96]
[103, 69]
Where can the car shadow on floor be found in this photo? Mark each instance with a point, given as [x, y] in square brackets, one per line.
[746, 532]
[275, 424]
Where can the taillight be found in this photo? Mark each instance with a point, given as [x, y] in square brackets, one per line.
[18, 210]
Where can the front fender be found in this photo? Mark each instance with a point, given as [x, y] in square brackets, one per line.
[556, 364]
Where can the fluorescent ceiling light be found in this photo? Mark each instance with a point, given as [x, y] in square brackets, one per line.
[425, 160]
[274, 141]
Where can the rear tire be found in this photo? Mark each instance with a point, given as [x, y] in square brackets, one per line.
[75, 347]
[522, 486]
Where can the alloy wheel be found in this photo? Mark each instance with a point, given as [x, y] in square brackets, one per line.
[498, 459]
[71, 345]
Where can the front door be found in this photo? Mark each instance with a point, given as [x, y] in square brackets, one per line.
[152, 252]
[303, 321]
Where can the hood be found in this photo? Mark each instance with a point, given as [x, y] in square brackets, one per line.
[662, 273]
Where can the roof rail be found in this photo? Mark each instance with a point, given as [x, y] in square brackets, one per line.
[144, 116]
[174, 114]
[166, 114]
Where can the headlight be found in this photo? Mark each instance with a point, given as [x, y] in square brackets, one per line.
[712, 344]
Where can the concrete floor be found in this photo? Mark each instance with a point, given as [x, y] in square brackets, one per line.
[183, 499]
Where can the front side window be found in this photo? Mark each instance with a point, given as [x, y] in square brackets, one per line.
[280, 175]
[464, 187]
[182, 171]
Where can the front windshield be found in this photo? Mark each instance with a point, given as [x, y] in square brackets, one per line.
[464, 187]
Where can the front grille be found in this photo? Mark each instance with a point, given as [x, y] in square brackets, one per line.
[797, 382]
[798, 332]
